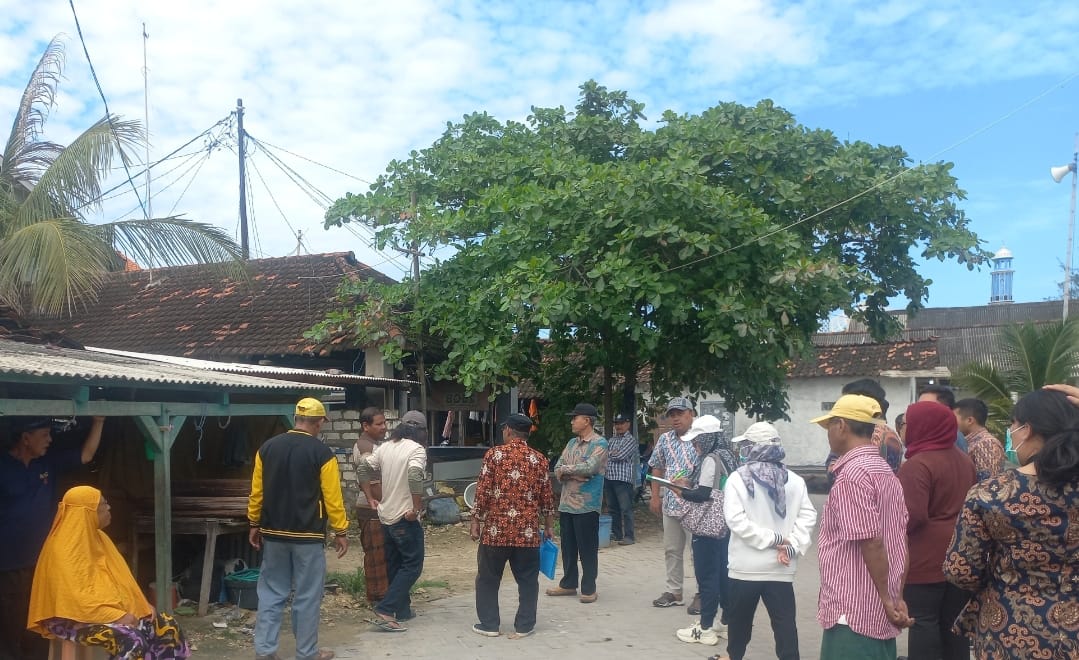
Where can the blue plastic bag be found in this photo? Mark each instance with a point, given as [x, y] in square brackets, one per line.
[548, 558]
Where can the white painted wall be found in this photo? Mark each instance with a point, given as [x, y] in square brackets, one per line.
[805, 443]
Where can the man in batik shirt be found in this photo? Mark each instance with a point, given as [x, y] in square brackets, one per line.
[512, 494]
[985, 450]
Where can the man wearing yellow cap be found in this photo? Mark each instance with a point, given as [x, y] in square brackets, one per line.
[295, 491]
[863, 540]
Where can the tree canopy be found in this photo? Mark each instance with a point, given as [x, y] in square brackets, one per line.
[51, 257]
[707, 250]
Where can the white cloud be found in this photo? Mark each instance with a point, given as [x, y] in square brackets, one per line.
[355, 85]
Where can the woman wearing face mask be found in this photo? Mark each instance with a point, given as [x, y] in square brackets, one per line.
[1012, 545]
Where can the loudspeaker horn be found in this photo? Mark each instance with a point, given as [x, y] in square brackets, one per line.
[1058, 173]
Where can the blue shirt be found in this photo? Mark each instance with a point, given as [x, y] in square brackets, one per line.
[28, 500]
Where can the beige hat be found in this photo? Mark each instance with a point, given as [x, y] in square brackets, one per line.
[702, 424]
[759, 433]
[854, 407]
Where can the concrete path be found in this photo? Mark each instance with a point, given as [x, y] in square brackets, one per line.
[622, 623]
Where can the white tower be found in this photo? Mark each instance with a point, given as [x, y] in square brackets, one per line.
[1002, 277]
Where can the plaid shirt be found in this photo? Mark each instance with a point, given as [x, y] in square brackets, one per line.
[623, 459]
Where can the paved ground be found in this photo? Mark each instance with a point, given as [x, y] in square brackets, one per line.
[622, 623]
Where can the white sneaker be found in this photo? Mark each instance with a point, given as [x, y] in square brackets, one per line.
[720, 629]
[697, 635]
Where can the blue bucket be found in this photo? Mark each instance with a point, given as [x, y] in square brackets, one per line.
[604, 531]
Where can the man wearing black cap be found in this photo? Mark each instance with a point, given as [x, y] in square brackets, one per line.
[512, 494]
[28, 472]
[620, 479]
[580, 469]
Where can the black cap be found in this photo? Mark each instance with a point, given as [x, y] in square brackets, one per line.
[586, 409]
[27, 424]
[519, 422]
[620, 417]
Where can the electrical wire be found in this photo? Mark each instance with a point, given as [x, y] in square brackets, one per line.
[315, 162]
[880, 184]
[213, 145]
[269, 192]
[108, 115]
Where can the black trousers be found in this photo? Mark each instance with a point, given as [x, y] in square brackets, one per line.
[580, 540]
[16, 642]
[490, 564]
[934, 608]
[778, 599]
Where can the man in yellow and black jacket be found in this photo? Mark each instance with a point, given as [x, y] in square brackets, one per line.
[295, 491]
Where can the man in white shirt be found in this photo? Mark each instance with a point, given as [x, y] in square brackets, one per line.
[401, 461]
[771, 517]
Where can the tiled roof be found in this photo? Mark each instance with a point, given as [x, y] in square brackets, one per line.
[966, 334]
[868, 359]
[196, 311]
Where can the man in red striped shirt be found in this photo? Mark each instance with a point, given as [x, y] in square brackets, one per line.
[863, 540]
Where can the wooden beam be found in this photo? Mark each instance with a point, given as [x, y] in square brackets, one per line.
[162, 431]
[69, 408]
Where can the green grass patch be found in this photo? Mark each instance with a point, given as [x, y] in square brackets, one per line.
[430, 584]
[354, 583]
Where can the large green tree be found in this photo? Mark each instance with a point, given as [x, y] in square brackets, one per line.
[707, 250]
[51, 258]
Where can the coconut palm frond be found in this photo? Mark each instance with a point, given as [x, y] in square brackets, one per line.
[73, 180]
[1064, 352]
[171, 242]
[51, 266]
[983, 380]
[37, 99]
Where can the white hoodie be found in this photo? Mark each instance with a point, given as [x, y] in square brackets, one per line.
[754, 526]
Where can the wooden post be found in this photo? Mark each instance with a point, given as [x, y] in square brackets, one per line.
[162, 432]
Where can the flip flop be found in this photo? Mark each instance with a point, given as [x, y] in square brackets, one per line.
[387, 625]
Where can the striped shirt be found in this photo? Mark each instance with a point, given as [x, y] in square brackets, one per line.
[865, 502]
[623, 459]
[675, 457]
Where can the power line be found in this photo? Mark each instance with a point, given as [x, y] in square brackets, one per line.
[314, 162]
[272, 198]
[108, 115]
[894, 177]
[213, 144]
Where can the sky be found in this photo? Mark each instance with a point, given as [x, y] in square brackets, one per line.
[992, 87]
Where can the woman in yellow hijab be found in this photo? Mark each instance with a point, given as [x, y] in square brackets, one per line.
[83, 590]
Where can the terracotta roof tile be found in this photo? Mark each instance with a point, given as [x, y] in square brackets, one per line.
[195, 311]
[868, 359]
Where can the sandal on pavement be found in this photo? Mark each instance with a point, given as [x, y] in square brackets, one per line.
[388, 625]
[521, 635]
[561, 591]
[325, 654]
[589, 598]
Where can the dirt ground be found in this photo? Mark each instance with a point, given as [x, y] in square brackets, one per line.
[449, 568]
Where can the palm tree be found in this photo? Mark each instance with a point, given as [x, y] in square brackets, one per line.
[1028, 357]
[52, 259]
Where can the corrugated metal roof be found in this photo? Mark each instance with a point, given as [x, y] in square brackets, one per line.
[19, 359]
[256, 369]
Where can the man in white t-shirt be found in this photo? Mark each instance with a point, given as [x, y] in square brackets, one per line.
[401, 460]
[771, 517]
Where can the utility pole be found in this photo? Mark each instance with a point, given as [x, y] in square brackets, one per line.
[245, 251]
[146, 118]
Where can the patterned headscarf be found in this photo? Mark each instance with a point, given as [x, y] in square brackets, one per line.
[764, 466]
